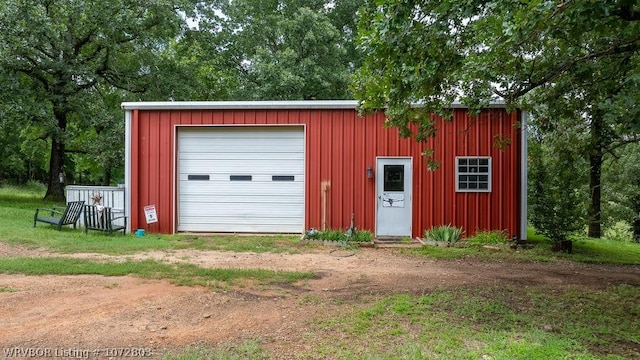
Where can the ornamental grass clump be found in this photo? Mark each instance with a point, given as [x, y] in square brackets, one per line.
[446, 233]
[339, 235]
[493, 237]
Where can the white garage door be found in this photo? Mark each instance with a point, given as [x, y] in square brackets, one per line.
[241, 179]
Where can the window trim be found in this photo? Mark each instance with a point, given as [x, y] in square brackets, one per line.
[488, 173]
[400, 182]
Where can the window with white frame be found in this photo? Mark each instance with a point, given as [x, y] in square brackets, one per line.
[473, 174]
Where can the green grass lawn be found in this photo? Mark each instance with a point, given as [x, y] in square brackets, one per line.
[585, 250]
[17, 208]
[489, 323]
[470, 322]
[179, 273]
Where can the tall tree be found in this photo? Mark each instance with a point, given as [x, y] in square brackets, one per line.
[588, 108]
[436, 52]
[278, 49]
[66, 48]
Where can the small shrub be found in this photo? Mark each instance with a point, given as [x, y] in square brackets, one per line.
[489, 237]
[333, 235]
[312, 234]
[339, 235]
[362, 236]
[555, 191]
[446, 233]
[620, 231]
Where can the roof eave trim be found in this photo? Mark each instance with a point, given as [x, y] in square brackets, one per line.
[274, 105]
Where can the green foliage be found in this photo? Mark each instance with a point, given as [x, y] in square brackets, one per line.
[605, 251]
[620, 231]
[245, 350]
[23, 153]
[621, 196]
[575, 72]
[488, 322]
[554, 192]
[276, 50]
[180, 273]
[63, 89]
[26, 193]
[18, 204]
[16, 228]
[489, 237]
[434, 51]
[446, 233]
[585, 250]
[339, 235]
[68, 56]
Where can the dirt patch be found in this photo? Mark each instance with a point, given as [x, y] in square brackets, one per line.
[97, 313]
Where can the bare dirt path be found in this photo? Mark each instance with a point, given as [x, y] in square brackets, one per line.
[97, 313]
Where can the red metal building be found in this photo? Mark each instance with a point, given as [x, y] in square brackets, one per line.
[293, 165]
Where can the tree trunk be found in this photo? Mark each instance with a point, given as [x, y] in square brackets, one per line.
[55, 184]
[55, 188]
[595, 174]
[636, 210]
[595, 216]
[107, 176]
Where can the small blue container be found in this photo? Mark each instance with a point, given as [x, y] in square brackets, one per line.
[140, 232]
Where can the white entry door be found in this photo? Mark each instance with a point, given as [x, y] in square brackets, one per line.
[394, 194]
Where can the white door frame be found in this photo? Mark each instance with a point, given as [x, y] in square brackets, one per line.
[394, 209]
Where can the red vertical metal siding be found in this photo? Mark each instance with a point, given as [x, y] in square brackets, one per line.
[339, 147]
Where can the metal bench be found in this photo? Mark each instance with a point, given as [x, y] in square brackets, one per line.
[102, 218]
[60, 216]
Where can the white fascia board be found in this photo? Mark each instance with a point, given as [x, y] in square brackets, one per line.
[239, 105]
[494, 104]
[524, 223]
[271, 105]
[127, 168]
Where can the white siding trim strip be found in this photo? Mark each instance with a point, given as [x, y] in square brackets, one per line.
[524, 223]
[265, 105]
[127, 167]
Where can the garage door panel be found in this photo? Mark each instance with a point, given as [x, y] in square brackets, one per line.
[266, 210]
[226, 134]
[248, 147]
[234, 220]
[216, 179]
[243, 156]
[210, 200]
[198, 190]
[242, 227]
[230, 198]
[248, 132]
[247, 166]
[198, 201]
